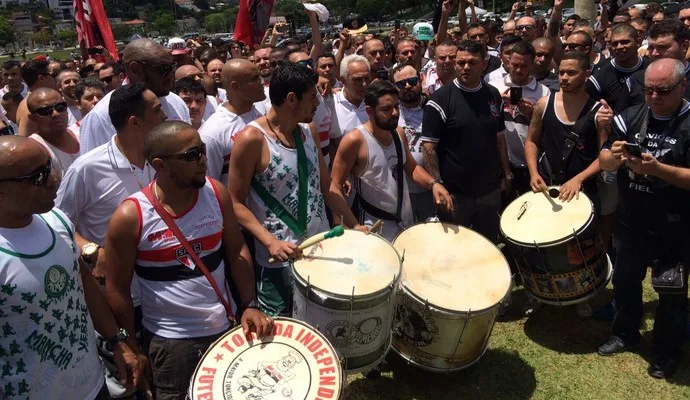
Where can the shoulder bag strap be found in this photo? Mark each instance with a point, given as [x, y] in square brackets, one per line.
[574, 137]
[400, 178]
[180, 237]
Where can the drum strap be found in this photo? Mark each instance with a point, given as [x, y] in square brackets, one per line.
[183, 241]
[377, 212]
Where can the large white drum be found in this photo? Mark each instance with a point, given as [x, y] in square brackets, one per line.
[296, 363]
[454, 280]
[345, 287]
[559, 254]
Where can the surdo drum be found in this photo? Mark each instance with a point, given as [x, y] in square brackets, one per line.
[345, 287]
[296, 362]
[558, 253]
[453, 283]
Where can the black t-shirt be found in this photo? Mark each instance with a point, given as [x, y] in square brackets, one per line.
[637, 86]
[649, 202]
[465, 123]
[612, 83]
[586, 149]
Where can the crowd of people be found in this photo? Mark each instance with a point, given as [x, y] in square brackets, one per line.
[141, 200]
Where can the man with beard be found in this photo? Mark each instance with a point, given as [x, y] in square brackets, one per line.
[406, 52]
[49, 113]
[375, 53]
[464, 143]
[67, 84]
[544, 50]
[12, 77]
[88, 93]
[526, 28]
[370, 154]
[412, 102]
[277, 169]
[262, 58]
[245, 88]
[183, 313]
[444, 70]
[214, 69]
[564, 127]
[145, 61]
[193, 94]
[112, 74]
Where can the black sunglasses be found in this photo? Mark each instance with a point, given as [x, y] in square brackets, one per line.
[107, 79]
[162, 69]
[402, 84]
[191, 155]
[48, 110]
[36, 178]
[661, 91]
[306, 63]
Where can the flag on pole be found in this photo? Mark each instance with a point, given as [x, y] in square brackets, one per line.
[252, 20]
[93, 28]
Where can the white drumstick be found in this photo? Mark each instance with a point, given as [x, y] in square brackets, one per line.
[335, 232]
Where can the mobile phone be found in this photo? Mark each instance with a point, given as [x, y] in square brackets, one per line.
[634, 149]
[397, 24]
[383, 74]
[93, 50]
[515, 95]
[282, 28]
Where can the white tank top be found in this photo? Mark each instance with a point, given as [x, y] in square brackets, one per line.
[177, 300]
[377, 184]
[280, 179]
[47, 342]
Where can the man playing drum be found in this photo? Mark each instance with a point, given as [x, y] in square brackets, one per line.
[564, 127]
[377, 155]
[183, 310]
[279, 183]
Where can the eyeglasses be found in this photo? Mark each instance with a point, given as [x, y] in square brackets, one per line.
[36, 178]
[191, 155]
[162, 69]
[574, 46]
[661, 91]
[525, 27]
[402, 84]
[48, 110]
[107, 79]
[309, 63]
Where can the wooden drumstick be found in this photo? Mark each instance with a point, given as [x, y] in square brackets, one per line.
[335, 232]
[376, 227]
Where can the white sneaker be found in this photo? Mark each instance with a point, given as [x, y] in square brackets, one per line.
[583, 310]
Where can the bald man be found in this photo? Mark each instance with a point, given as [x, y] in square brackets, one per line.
[185, 71]
[49, 113]
[526, 28]
[243, 82]
[46, 282]
[145, 61]
[543, 63]
[214, 69]
[375, 53]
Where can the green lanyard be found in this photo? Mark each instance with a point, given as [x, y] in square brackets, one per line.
[299, 225]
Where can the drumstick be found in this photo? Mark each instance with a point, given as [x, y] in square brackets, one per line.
[377, 225]
[335, 232]
[547, 194]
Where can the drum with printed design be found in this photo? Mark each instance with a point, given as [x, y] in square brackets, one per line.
[559, 255]
[454, 281]
[296, 363]
[345, 287]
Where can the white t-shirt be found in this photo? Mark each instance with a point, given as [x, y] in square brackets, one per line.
[5, 89]
[323, 120]
[218, 133]
[73, 115]
[48, 350]
[347, 116]
[61, 159]
[222, 95]
[98, 129]
[211, 106]
[495, 75]
[264, 105]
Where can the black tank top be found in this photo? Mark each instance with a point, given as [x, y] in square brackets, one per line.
[555, 133]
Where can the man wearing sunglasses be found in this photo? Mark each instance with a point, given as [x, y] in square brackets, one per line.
[145, 61]
[88, 92]
[183, 313]
[49, 113]
[97, 183]
[47, 283]
[653, 215]
[35, 74]
[526, 28]
[112, 74]
[580, 40]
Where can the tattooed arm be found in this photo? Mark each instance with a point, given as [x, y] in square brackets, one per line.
[431, 159]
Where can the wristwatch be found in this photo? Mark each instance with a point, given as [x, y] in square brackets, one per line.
[252, 304]
[89, 251]
[435, 181]
[121, 336]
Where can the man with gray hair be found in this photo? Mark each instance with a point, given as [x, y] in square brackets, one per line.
[648, 147]
[350, 111]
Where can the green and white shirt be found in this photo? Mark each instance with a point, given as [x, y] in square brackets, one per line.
[47, 344]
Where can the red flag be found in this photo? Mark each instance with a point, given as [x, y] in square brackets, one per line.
[252, 20]
[93, 28]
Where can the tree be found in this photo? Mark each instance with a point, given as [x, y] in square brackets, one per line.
[164, 23]
[7, 33]
[67, 36]
[42, 36]
[216, 22]
[293, 10]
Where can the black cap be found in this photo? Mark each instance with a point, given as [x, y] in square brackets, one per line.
[355, 23]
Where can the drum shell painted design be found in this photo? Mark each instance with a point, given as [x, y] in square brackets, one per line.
[358, 326]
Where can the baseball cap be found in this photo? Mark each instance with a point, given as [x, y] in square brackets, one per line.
[355, 24]
[177, 46]
[423, 31]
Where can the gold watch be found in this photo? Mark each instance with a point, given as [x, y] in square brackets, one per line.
[89, 252]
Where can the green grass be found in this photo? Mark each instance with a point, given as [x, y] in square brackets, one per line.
[55, 55]
[549, 356]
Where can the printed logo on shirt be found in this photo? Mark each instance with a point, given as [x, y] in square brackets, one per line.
[56, 281]
[493, 107]
[183, 256]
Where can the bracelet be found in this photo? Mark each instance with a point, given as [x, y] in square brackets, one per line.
[435, 181]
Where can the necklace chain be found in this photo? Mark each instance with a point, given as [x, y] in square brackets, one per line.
[132, 168]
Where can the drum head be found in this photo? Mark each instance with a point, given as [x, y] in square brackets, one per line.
[533, 218]
[367, 263]
[453, 267]
[297, 362]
